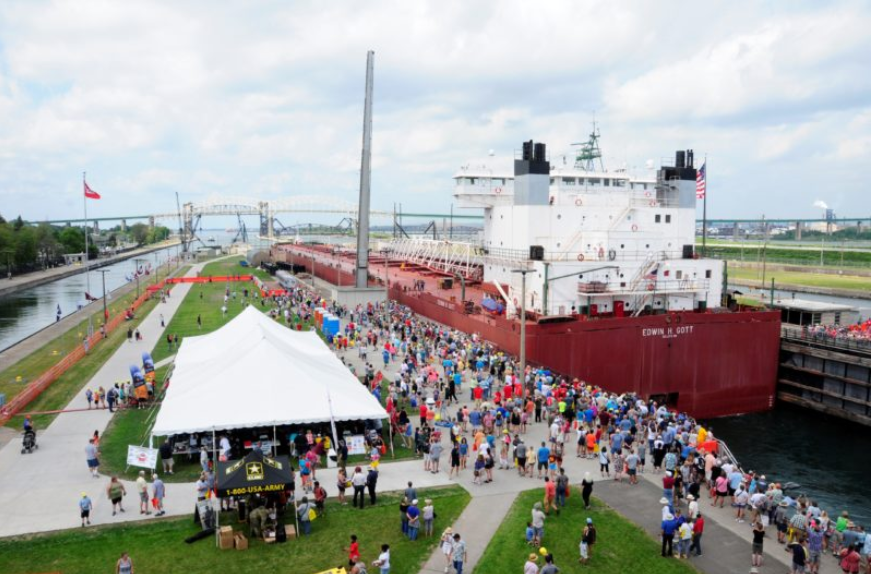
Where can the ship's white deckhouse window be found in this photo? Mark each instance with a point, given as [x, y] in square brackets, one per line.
[568, 181]
[607, 182]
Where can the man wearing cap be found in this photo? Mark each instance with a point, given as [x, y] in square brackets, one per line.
[85, 506]
[371, 483]
[413, 515]
[693, 507]
[588, 538]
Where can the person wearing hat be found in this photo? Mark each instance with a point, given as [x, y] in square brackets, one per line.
[371, 483]
[692, 507]
[413, 515]
[588, 538]
[530, 567]
[668, 528]
[85, 506]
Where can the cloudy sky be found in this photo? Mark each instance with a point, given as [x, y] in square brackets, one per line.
[264, 99]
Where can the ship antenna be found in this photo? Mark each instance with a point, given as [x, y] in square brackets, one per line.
[589, 152]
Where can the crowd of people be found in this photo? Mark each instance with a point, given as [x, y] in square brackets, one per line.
[454, 385]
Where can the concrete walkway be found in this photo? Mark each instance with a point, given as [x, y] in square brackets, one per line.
[40, 491]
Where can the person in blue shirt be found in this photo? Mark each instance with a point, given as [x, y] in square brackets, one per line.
[543, 455]
[616, 442]
[413, 514]
[85, 506]
[735, 478]
[385, 354]
[669, 526]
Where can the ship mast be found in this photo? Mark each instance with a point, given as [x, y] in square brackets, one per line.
[589, 152]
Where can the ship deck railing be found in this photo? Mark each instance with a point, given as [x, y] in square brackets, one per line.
[797, 334]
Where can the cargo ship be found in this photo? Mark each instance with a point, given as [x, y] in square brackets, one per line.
[600, 265]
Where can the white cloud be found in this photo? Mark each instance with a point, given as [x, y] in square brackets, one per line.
[200, 98]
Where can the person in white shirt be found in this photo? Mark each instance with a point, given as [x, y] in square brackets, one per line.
[383, 562]
[693, 508]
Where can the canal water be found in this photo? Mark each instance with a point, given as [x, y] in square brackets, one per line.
[28, 311]
[826, 456]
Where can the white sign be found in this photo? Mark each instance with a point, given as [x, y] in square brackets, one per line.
[356, 444]
[141, 456]
[667, 332]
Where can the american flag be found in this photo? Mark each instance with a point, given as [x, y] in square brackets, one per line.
[701, 183]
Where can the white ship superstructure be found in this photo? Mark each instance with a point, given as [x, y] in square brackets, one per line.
[593, 241]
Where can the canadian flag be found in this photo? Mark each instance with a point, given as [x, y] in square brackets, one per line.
[90, 193]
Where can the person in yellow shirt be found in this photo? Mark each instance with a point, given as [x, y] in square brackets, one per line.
[703, 434]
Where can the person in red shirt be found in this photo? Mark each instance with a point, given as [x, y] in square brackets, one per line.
[478, 393]
[423, 410]
[550, 495]
[698, 530]
[353, 551]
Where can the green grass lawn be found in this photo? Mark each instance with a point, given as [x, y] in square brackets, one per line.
[621, 546]
[158, 545]
[782, 279]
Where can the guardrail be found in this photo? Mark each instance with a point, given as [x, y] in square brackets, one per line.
[798, 335]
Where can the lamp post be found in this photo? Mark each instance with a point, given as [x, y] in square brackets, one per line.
[105, 308]
[313, 270]
[523, 273]
[137, 262]
[386, 251]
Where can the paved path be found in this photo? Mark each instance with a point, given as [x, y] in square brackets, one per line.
[40, 491]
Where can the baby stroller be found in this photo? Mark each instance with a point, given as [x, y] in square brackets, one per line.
[28, 444]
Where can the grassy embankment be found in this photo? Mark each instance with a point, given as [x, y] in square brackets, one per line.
[61, 391]
[158, 545]
[621, 545]
[799, 255]
[783, 279]
[203, 300]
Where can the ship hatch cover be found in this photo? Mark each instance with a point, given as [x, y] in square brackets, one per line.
[556, 319]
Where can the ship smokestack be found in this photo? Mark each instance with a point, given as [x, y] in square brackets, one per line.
[532, 175]
[680, 159]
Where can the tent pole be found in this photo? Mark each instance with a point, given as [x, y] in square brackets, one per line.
[215, 474]
[392, 453]
[274, 442]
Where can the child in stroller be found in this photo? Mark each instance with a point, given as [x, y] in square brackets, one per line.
[28, 443]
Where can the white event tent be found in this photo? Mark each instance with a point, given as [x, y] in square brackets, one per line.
[254, 372]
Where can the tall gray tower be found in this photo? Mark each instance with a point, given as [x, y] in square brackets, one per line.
[362, 273]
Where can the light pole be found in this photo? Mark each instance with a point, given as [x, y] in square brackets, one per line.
[523, 273]
[136, 262]
[313, 270]
[105, 309]
[386, 251]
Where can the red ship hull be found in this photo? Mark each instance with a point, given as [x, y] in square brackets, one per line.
[708, 364]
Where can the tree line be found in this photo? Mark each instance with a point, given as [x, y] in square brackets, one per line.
[25, 247]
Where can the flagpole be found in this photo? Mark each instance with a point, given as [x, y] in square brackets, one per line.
[705, 212]
[87, 264]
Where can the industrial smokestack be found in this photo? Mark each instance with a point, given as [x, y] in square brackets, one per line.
[362, 274]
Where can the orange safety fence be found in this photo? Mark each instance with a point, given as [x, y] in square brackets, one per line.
[41, 383]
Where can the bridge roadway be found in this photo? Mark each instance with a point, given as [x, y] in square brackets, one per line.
[236, 206]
